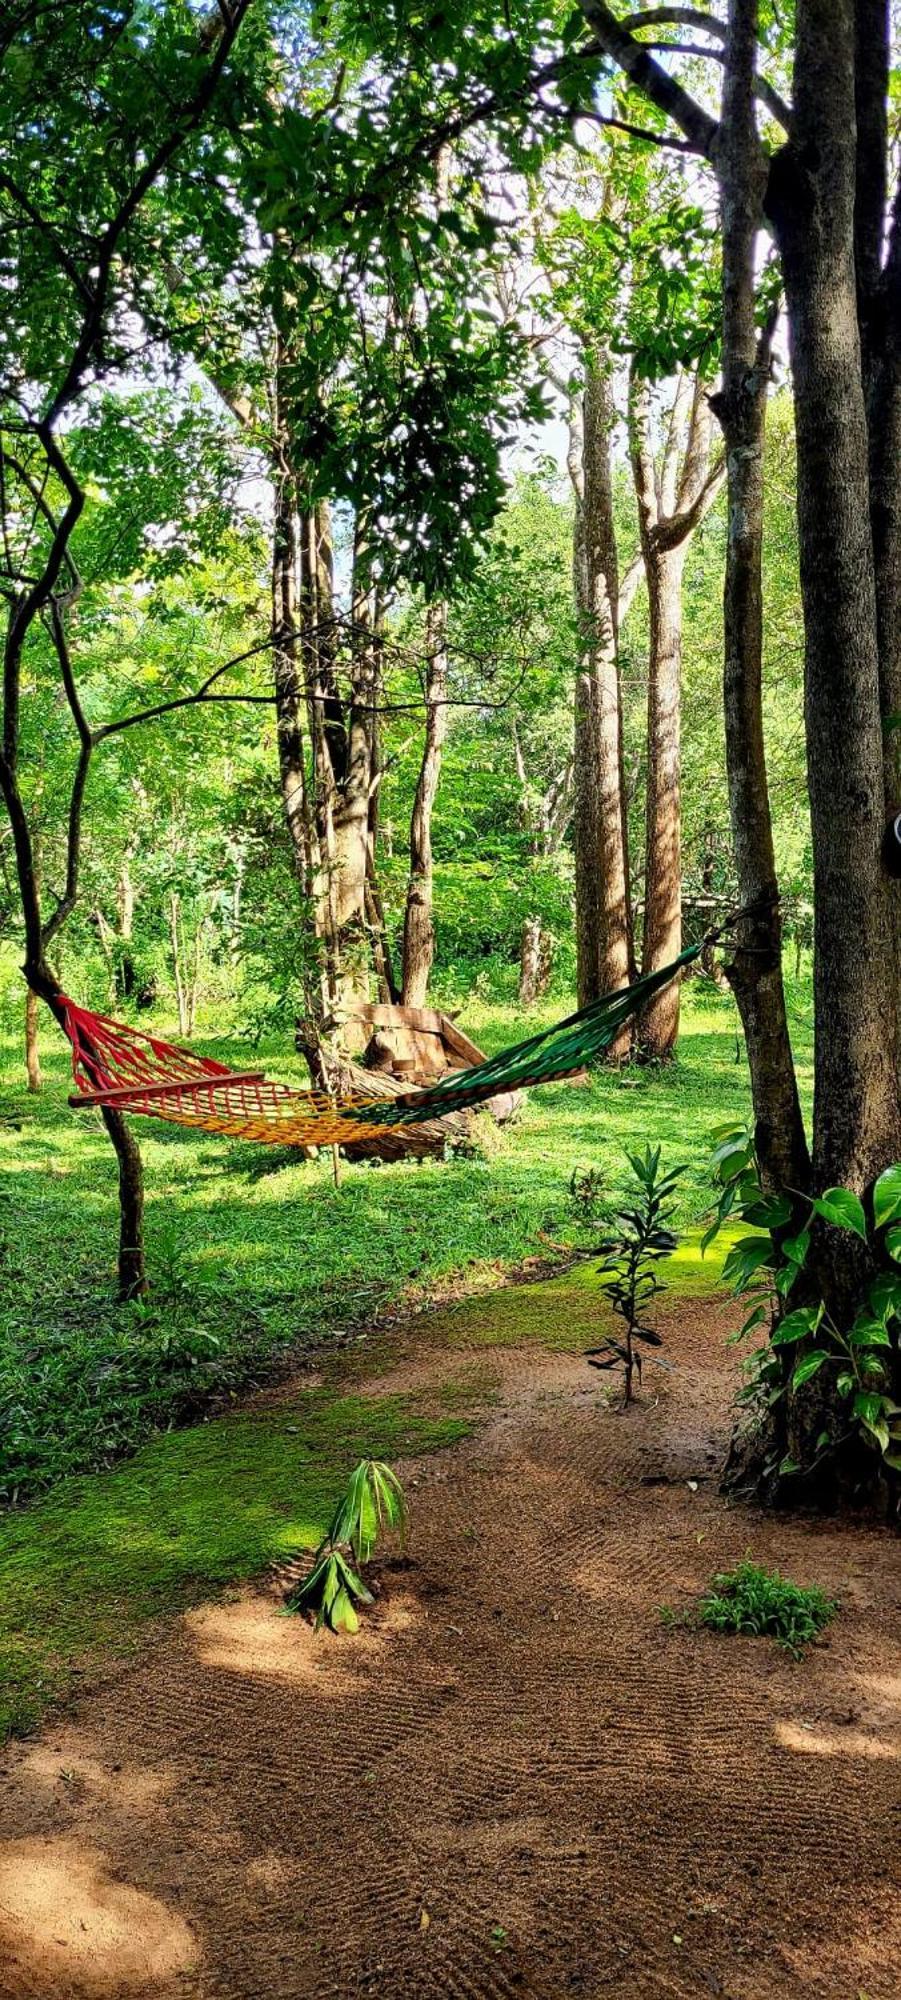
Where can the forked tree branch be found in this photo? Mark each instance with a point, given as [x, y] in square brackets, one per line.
[651, 78]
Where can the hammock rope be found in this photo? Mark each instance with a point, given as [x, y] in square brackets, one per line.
[125, 1069]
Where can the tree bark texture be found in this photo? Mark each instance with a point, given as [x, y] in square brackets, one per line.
[419, 928]
[755, 972]
[32, 1054]
[604, 950]
[131, 1274]
[857, 1126]
[672, 499]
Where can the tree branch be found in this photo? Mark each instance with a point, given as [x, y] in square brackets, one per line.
[108, 244]
[66, 903]
[691, 17]
[767, 92]
[651, 78]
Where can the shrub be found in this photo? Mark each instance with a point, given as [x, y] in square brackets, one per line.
[772, 1268]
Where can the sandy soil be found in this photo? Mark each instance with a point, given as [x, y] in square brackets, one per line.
[515, 1784]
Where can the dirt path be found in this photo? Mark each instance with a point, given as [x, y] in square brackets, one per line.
[515, 1784]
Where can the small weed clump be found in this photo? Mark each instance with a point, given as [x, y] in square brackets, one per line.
[763, 1603]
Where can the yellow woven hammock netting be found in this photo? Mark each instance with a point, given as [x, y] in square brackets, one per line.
[120, 1067]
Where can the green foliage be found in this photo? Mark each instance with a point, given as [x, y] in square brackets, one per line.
[372, 1504]
[806, 1336]
[762, 1603]
[631, 1254]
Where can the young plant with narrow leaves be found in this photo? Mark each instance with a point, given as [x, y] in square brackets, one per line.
[372, 1504]
[631, 1255]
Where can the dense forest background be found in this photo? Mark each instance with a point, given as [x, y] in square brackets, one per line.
[187, 876]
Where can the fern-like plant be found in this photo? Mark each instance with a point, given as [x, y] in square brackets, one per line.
[373, 1503]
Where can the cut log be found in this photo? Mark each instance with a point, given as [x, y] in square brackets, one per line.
[418, 1045]
[426, 1141]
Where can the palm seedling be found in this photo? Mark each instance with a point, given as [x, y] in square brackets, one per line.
[372, 1504]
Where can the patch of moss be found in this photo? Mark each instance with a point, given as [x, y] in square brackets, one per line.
[83, 1571]
[562, 1313]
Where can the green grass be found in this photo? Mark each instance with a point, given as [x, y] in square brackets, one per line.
[762, 1603]
[253, 1255]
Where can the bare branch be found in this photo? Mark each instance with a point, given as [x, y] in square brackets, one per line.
[691, 17]
[652, 79]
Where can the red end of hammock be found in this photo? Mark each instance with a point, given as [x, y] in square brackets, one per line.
[112, 1063]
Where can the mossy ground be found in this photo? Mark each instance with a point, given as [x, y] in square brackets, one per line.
[85, 1569]
[82, 1571]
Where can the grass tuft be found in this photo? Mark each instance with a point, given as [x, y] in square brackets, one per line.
[764, 1604]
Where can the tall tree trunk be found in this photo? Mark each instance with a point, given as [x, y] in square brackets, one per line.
[604, 952]
[756, 969]
[672, 499]
[857, 1121]
[662, 939]
[125, 916]
[534, 962]
[131, 1272]
[130, 1268]
[289, 692]
[32, 1055]
[419, 928]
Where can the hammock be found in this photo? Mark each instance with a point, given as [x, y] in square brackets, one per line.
[119, 1067]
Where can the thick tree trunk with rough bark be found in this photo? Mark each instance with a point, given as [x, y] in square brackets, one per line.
[604, 953]
[755, 972]
[857, 1118]
[825, 194]
[419, 929]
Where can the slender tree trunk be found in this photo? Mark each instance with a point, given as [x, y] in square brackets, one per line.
[756, 969]
[125, 914]
[604, 953]
[419, 927]
[672, 497]
[663, 855]
[131, 1274]
[32, 1056]
[378, 938]
[534, 962]
[44, 984]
